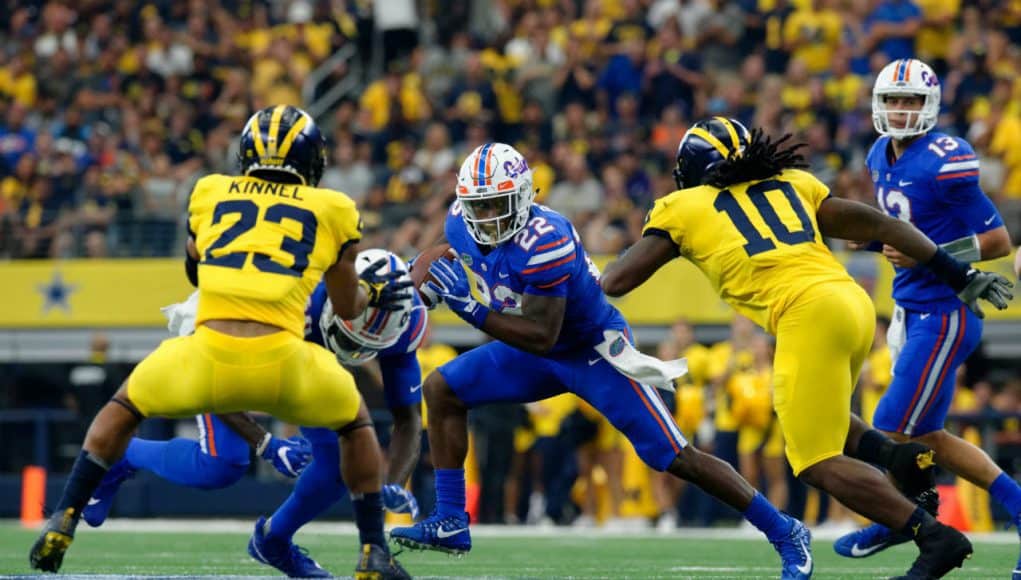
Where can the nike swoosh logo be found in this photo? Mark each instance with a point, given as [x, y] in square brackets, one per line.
[806, 568]
[990, 220]
[282, 454]
[594, 361]
[416, 388]
[503, 274]
[93, 501]
[924, 316]
[903, 183]
[862, 552]
[441, 533]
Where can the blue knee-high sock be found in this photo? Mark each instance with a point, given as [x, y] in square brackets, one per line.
[450, 492]
[764, 516]
[318, 487]
[1007, 491]
[183, 462]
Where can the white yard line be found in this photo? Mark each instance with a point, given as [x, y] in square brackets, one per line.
[478, 530]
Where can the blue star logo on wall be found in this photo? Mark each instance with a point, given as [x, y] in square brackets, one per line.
[56, 293]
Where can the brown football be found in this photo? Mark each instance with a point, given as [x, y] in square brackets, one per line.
[420, 268]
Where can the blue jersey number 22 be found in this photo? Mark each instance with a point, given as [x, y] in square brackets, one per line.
[756, 243]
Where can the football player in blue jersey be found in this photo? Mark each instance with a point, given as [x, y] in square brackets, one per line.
[929, 179]
[220, 457]
[392, 338]
[518, 272]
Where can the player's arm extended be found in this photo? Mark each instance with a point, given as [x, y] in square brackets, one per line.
[535, 330]
[288, 456]
[637, 264]
[348, 297]
[405, 442]
[851, 220]
[246, 426]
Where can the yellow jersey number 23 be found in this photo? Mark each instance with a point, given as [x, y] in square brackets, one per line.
[248, 214]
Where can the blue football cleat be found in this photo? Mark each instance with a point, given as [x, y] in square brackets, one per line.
[796, 552]
[437, 532]
[287, 557]
[99, 505]
[868, 541]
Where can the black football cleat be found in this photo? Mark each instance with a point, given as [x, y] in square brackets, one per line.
[942, 549]
[376, 563]
[48, 551]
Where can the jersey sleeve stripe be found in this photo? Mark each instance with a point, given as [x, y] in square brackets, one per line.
[962, 157]
[551, 244]
[551, 255]
[209, 434]
[559, 280]
[957, 175]
[550, 265]
[958, 166]
[418, 332]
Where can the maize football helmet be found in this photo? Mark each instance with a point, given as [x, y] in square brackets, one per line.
[283, 139]
[705, 144]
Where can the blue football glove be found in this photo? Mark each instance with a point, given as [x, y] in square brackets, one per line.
[399, 500]
[452, 284]
[288, 456]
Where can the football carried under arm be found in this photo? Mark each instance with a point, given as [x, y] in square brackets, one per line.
[535, 330]
[850, 220]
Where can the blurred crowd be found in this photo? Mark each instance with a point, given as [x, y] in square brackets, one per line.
[111, 109]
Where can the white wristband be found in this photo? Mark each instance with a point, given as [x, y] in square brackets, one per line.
[263, 444]
[966, 249]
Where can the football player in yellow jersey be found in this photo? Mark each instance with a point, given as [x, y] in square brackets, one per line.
[753, 221]
[259, 243]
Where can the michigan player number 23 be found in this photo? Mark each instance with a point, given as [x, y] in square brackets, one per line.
[248, 213]
[755, 242]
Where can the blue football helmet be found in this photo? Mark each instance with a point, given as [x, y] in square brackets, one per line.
[283, 139]
[707, 143]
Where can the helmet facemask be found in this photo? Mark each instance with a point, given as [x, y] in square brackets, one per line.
[906, 78]
[496, 201]
[494, 219]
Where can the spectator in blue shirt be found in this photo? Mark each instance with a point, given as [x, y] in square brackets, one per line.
[892, 27]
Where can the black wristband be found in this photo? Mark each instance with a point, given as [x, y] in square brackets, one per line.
[949, 269]
[191, 269]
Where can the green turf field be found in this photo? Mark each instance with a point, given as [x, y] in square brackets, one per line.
[562, 553]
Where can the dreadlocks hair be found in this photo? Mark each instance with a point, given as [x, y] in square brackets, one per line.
[761, 158]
